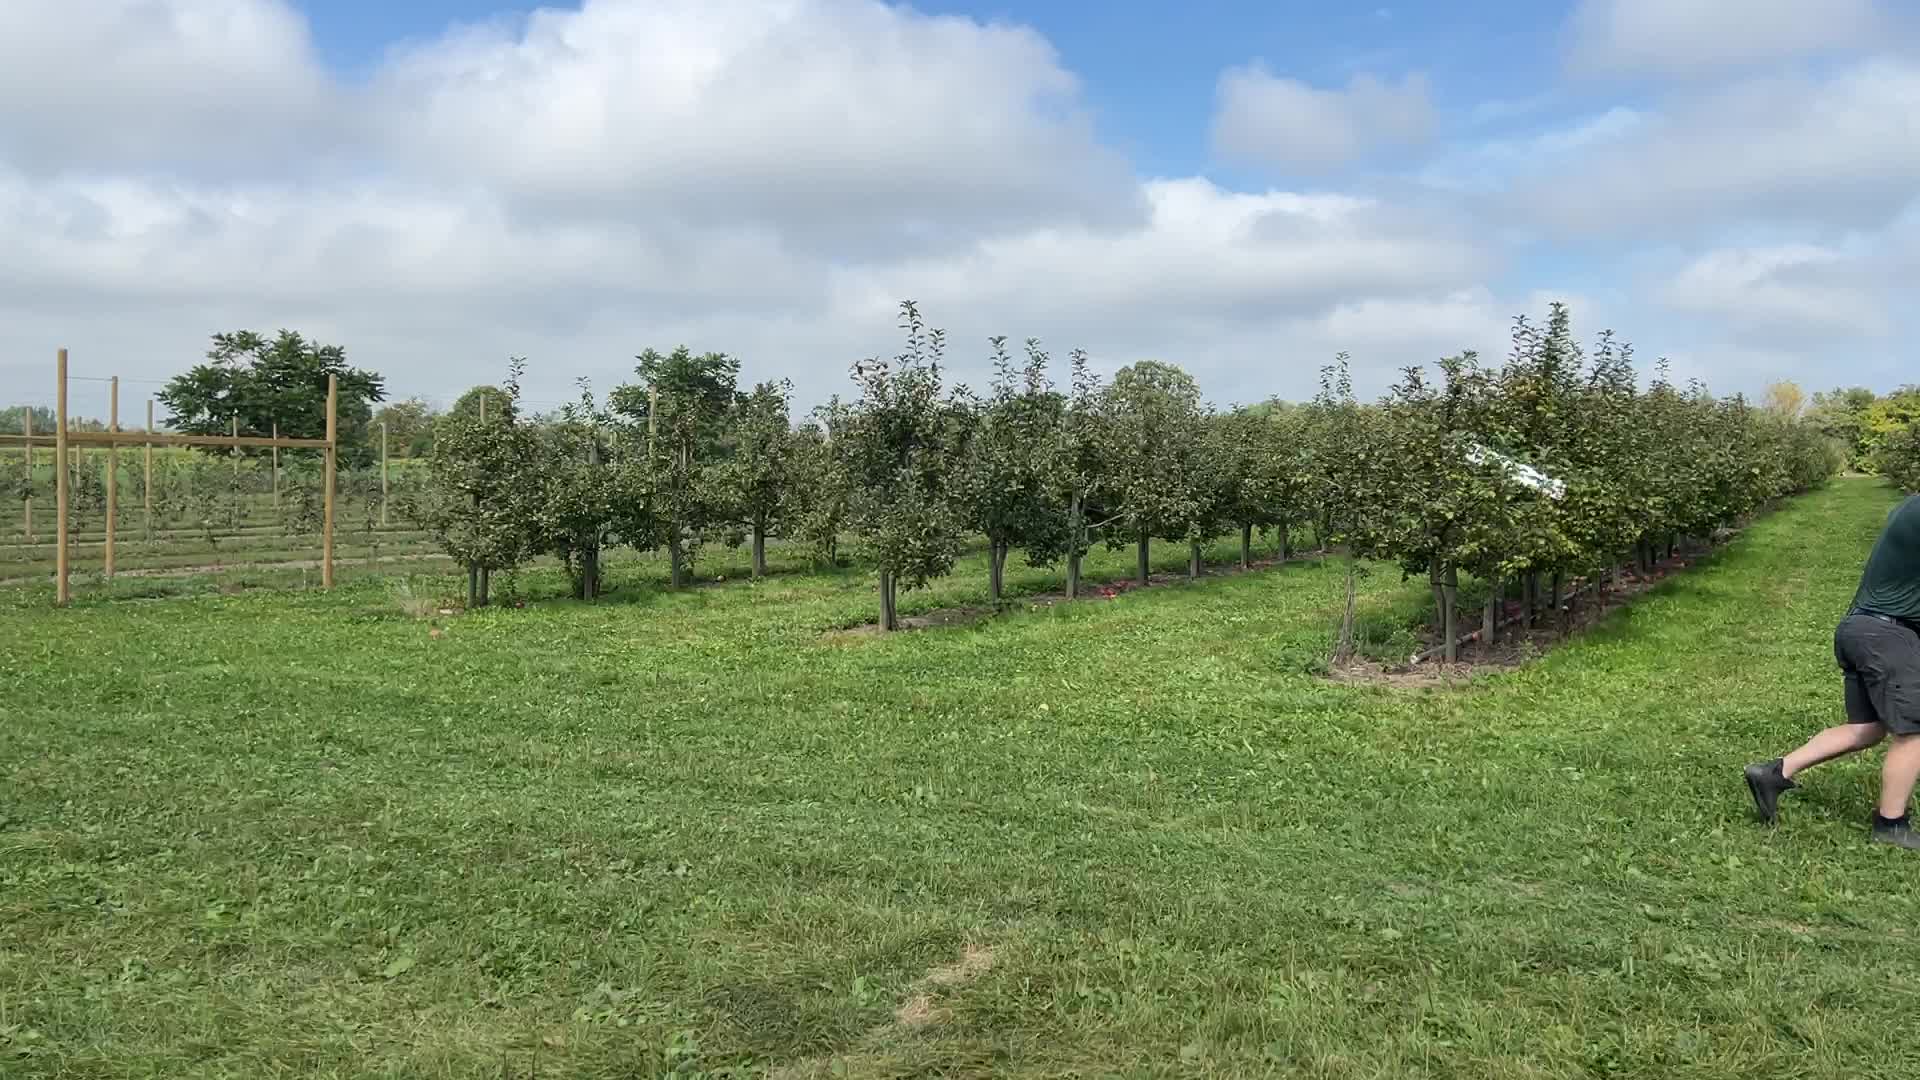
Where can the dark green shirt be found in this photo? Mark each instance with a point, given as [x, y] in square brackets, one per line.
[1891, 583]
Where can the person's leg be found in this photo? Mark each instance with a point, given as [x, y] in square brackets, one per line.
[1894, 684]
[1897, 776]
[1768, 780]
[1848, 738]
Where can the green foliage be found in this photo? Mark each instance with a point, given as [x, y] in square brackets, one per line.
[756, 485]
[280, 381]
[1899, 457]
[409, 426]
[485, 483]
[899, 452]
[576, 496]
[1154, 479]
[677, 422]
[13, 420]
[1006, 480]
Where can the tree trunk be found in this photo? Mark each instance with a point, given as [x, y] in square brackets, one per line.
[1193, 562]
[889, 618]
[759, 550]
[1073, 547]
[1146, 563]
[1529, 596]
[996, 569]
[486, 585]
[1490, 619]
[674, 556]
[1344, 650]
[1439, 595]
[1284, 537]
[1246, 547]
[1450, 598]
[590, 573]
[473, 585]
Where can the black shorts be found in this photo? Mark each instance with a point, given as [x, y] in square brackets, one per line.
[1881, 659]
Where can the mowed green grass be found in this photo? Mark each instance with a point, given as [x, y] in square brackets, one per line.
[690, 833]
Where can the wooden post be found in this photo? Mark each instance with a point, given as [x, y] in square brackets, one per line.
[62, 593]
[236, 444]
[28, 429]
[383, 474]
[333, 446]
[113, 468]
[146, 486]
[276, 467]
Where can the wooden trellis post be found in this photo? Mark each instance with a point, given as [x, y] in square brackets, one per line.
[66, 442]
[113, 468]
[383, 474]
[28, 429]
[146, 485]
[276, 467]
[326, 541]
[62, 593]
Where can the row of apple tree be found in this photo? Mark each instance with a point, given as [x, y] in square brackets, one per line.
[1556, 462]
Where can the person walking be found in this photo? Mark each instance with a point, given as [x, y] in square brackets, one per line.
[1878, 646]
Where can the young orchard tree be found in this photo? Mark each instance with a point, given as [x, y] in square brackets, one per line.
[1447, 502]
[1005, 478]
[484, 485]
[1075, 456]
[682, 401]
[821, 494]
[1280, 479]
[1345, 453]
[757, 483]
[1151, 442]
[1250, 472]
[577, 496]
[898, 454]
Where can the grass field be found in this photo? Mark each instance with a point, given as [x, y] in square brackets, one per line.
[691, 833]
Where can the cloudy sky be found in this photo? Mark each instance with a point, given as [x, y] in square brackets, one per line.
[1239, 187]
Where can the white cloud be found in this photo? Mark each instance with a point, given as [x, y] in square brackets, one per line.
[1265, 119]
[1792, 293]
[1840, 150]
[205, 86]
[825, 118]
[1695, 37]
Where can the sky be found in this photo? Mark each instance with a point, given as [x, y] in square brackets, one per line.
[1244, 189]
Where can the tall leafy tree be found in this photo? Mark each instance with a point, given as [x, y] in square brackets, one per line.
[1005, 479]
[681, 401]
[758, 481]
[576, 497]
[899, 454]
[267, 382]
[1152, 453]
[485, 480]
[1076, 463]
[409, 427]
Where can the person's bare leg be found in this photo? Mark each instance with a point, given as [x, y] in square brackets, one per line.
[1836, 742]
[1897, 776]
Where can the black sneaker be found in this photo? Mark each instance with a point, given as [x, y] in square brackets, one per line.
[1897, 833]
[1766, 782]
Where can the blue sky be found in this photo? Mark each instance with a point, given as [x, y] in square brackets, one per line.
[1242, 188]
